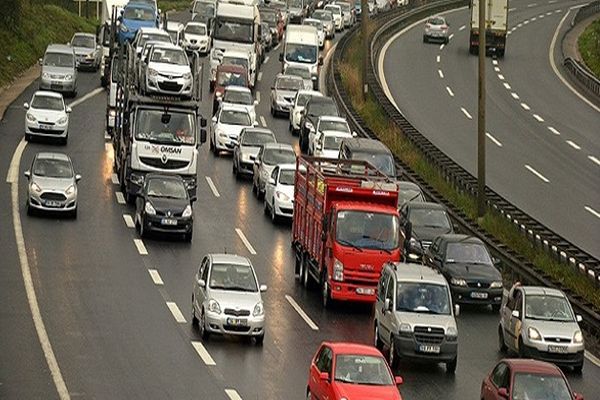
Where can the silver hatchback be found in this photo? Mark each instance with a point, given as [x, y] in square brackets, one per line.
[245, 152]
[59, 69]
[436, 28]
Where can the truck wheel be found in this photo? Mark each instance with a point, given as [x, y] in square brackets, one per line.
[325, 291]
[305, 274]
[298, 269]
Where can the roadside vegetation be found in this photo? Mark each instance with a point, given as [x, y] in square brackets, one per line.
[589, 47]
[493, 222]
[177, 5]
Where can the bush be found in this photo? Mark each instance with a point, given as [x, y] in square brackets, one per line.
[589, 47]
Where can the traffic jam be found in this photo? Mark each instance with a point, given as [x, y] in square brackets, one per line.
[358, 231]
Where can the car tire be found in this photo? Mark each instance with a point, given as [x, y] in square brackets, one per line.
[521, 349]
[30, 210]
[63, 141]
[392, 358]
[273, 112]
[266, 207]
[446, 41]
[254, 189]
[501, 345]
[274, 217]
[194, 318]
[202, 327]
[451, 366]
[259, 339]
[306, 278]
[378, 342]
[308, 394]
[187, 237]
[326, 299]
[143, 232]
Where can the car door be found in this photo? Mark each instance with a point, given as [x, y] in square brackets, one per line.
[512, 324]
[317, 366]
[499, 378]
[388, 320]
[270, 187]
[201, 292]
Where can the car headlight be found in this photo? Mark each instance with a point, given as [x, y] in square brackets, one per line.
[496, 285]
[578, 337]
[112, 113]
[310, 126]
[62, 121]
[187, 212]
[68, 77]
[124, 28]
[35, 187]
[282, 196]
[91, 55]
[152, 72]
[405, 329]
[533, 334]
[451, 334]
[259, 309]
[30, 117]
[187, 75]
[213, 306]
[458, 282]
[46, 75]
[149, 209]
[338, 270]
[70, 190]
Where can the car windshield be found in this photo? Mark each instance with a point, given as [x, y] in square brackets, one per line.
[257, 138]
[303, 73]
[234, 277]
[287, 83]
[436, 21]
[279, 156]
[334, 9]
[324, 108]
[367, 230]
[344, 6]
[469, 253]
[238, 97]
[138, 13]
[339, 126]
[419, 297]
[42, 102]
[362, 370]
[234, 117]
[301, 53]
[303, 99]
[294, 3]
[286, 177]
[169, 56]
[165, 128]
[316, 24]
[430, 218]
[242, 62]
[406, 194]
[234, 31]
[204, 9]
[194, 29]
[548, 308]
[52, 168]
[383, 162]
[156, 37]
[539, 387]
[170, 188]
[269, 17]
[332, 142]
[231, 78]
[323, 15]
[83, 41]
[58, 60]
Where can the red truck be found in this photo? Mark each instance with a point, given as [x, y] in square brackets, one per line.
[346, 225]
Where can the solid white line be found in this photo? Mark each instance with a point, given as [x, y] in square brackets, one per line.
[300, 311]
[493, 139]
[462, 28]
[441, 73]
[525, 22]
[538, 118]
[263, 121]
[85, 97]
[38, 322]
[515, 95]
[128, 221]
[208, 360]
[533, 171]
[258, 96]
[259, 77]
[594, 159]
[595, 360]
[233, 394]
[553, 130]
[507, 86]
[591, 210]
[573, 145]
[525, 106]
[519, 25]
[115, 179]
[549, 13]
[245, 241]
[442, 46]
[501, 77]
[212, 186]
[155, 277]
[139, 244]
[512, 9]
[438, 58]
[266, 59]
[176, 312]
[464, 110]
[120, 197]
[450, 92]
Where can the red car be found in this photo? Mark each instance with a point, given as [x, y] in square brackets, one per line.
[520, 379]
[351, 371]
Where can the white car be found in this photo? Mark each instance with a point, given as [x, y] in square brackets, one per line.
[320, 29]
[328, 144]
[240, 96]
[302, 97]
[327, 124]
[144, 35]
[47, 116]
[175, 31]
[338, 19]
[230, 57]
[269, 156]
[326, 18]
[168, 71]
[196, 38]
[227, 125]
[303, 72]
[279, 192]
[347, 15]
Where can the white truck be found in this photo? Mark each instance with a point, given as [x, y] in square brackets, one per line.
[301, 48]
[237, 28]
[496, 20]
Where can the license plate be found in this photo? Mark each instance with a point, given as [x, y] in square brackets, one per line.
[479, 295]
[557, 349]
[168, 221]
[45, 126]
[365, 291]
[52, 203]
[237, 321]
[428, 348]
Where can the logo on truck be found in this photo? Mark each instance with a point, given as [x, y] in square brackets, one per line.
[156, 149]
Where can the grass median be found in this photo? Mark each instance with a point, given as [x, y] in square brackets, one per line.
[493, 222]
[589, 46]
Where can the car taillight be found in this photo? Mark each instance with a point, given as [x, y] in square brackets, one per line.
[444, 27]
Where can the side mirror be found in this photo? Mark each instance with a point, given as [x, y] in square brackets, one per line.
[202, 135]
[40, 61]
[214, 119]
[77, 177]
[398, 380]
[387, 305]
[203, 123]
[456, 310]
[496, 261]
[26, 106]
[516, 314]
[263, 288]
[354, 134]
[201, 283]
[272, 181]
[253, 158]
[503, 393]
[408, 229]
[68, 109]
[578, 318]
[281, 57]
[324, 376]
[320, 60]
[577, 396]
[27, 174]
[255, 123]
[255, 102]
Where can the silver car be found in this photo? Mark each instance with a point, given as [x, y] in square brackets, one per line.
[168, 71]
[52, 184]
[227, 299]
[59, 69]
[539, 322]
[87, 51]
[303, 72]
[269, 155]
[249, 144]
[436, 28]
[283, 92]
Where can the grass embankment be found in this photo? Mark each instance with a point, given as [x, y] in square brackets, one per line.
[589, 47]
[177, 5]
[39, 26]
[493, 222]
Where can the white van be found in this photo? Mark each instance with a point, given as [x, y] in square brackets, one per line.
[301, 48]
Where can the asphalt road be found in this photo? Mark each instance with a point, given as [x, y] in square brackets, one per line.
[112, 332]
[543, 150]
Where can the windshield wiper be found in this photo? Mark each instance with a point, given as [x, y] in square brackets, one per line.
[434, 226]
[347, 243]
[240, 288]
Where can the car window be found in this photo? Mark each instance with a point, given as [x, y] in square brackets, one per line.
[274, 173]
[236, 277]
[286, 177]
[548, 308]
[341, 126]
[430, 218]
[256, 138]
[382, 285]
[428, 298]
[52, 168]
[362, 370]
[203, 270]
[472, 253]
[195, 29]
[288, 83]
[537, 386]
[47, 103]
[58, 60]
[226, 78]
[169, 56]
[323, 359]
[83, 41]
[238, 97]
[168, 188]
[391, 287]
[500, 376]
[279, 156]
[519, 301]
[234, 117]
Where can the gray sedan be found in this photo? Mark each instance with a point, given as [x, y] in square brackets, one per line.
[245, 152]
[52, 184]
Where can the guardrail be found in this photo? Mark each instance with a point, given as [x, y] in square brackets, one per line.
[540, 236]
[586, 11]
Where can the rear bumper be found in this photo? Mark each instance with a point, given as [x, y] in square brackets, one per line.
[561, 359]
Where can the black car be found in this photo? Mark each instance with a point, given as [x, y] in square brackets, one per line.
[467, 265]
[422, 222]
[408, 191]
[370, 150]
[163, 205]
[316, 107]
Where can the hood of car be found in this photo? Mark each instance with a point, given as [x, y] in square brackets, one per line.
[428, 233]
[164, 205]
[285, 93]
[58, 184]
[46, 115]
[288, 190]
[54, 70]
[81, 51]
[247, 151]
[230, 129]
[482, 272]
[327, 153]
[169, 69]
[353, 391]
[424, 319]
[235, 299]
[190, 36]
[550, 329]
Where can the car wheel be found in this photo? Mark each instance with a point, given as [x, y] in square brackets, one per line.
[501, 345]
[63, 141]
[143, 232]
[325, 291]
[215, 150]
[273, 215]
[27, 137]
[259, 339]
[298, 268]
[305, 274]
[521, 349]
[30, 209]
[308, 394]
[265, 207]
[194, 318]
[378, 342]
[392, 360]
[234, 168]
[202, 326]
[188, 236]
[254, 186]
[451, 366]
[74, 213]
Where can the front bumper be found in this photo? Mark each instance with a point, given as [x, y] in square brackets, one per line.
[155, 223]
[473, 295]
[540, 352]
[201, 47]
[283, 208]
[352, 292]
[53, 201]
[86, 62]
[408, 347]
[161, 84]
[44, 130]
[58, 85]
[282, 106]
[226, 143]
[222, 323]
[434, 35]
[246, 167]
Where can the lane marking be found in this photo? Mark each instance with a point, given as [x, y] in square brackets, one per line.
[496, 69]
[493, 139]
[512, 9]
[462, 28]
[259, 77]
[258, 96]
[495, 62]
[531, 5]
[533, 19]
[573, 145]
[263, 121]
[277, 47]
[552, 1]
[572, 8]
[519, 25]
[450, 92]
[38, 322]
[245, 240]
[441, 73]
[176, 312]
[438, 58]
[266, 59]
[536, 173]
[128, 221]
[553, 130]
[515, 96]
[107, 146]
[120, 197]
[592, 211]
[506, 86]
[139, 244]
[442, 46]
[208, 360]
[538, 118]
[541, 16]
[501, 77]
[451, 36]
[301, 312]
[85, 97]
[212, 186]
[115, 179]
[549, 13]
[525, 106]
[525, 22]
[464, 110]
[233, 394]
[594, 159]
[155, 277]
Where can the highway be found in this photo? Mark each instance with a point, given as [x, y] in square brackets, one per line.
[542, 145]
[117, 309]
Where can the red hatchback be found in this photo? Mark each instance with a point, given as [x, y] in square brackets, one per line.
[351, 371]
[520, 379]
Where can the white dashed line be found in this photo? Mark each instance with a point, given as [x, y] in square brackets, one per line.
[155, 277]
[533, 171]
[438, 59]
[557, 11]
[176, 312]
[442, 46]
[266, 59]
[245, 240]
[301, 312]
[466, 113]
[201, 350]
[120, 197]
[594, 159]
[538, 118]
[525, 106]
[497, 69]
[549, 13]
[541, 16]
[553, 130]
[495, 62]
[552, 1]
[85, 97]
[139, 244]
[573, 145]
[525, 22]
[519, 25]
[263, 121]
[114, 179]
[259, 77]
[515, 95]
[462, 28]
[592, 211]
[451, 36]
[512, 9]
[450, 92]
[506, 86]
[258, 96]
[232, 394]
[212, 186]
[128, 221]
[493, 139]
[533, 19]
[531, 5]
[501, 77]
[441, 73]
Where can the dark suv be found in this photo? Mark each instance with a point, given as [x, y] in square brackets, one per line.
[422, 222]
[369, 150]
[316, 107]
